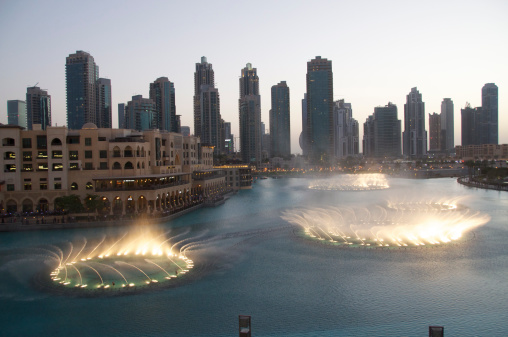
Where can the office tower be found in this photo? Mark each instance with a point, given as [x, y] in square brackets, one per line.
[185, 131]
[104, 108]
[303, 135]
[228, 139]
[210, 118]
[140, 114]
[320, 142]
[489, 129]
[414, 135]
[471, 126]
[381, 136]
[280, 126]
[345, 130]
[162, 92]
[435, 132]
[16, 113]
[121, 115]
[250, 116]
[202, 76]
[447, 126]
[38, 107]
[81, 74]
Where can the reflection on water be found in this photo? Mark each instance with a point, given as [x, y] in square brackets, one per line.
[256, 265]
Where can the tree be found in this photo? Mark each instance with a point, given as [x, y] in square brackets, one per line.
[69, 203]
[93, 203]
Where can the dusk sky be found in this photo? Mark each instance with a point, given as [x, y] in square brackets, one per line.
[379, 51]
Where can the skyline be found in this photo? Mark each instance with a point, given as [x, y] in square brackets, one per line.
[372, 62]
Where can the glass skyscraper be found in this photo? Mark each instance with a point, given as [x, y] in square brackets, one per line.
[203, 75]
[140, 114]
[16, 113]
[38, 107]
[414, 135]
[447, 126]
[320, 134]
[280, 126]
[162, 92]
[250, 116]
[490, 128]
[104, 108]
[381, 133]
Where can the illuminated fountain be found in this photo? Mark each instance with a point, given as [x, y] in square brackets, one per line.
[397, 225]
[351, 182]
[135, 260]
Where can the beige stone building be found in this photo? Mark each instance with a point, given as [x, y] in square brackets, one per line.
[132, 172]
[484, 151]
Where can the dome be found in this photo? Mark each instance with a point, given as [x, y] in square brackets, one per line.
[89, 126]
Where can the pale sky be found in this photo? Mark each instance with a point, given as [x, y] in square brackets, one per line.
[379, 51]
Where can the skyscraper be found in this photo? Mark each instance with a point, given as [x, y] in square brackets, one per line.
[381, 136]
[140, 114]
[162, 92]
[280, 126]
[320, 142]
[121, 115]
[104, 108]
[435, 132]
[471, 126]
[203, 75]
[81, 75]
[414, 135]
[250, 116]
[16, 113]
[447, 126]
[211, 132]
[490, 128]
[38, 107]
[303, 134]
[345, 130]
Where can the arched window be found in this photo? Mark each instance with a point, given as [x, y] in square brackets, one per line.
[128, 166]
[138, 164]
[117, 166]
[8, 142]
[89, 186]
[74, 187]
[56, 141]
[128, 152]
[116, 152]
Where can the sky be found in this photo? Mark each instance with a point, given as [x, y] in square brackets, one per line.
[379, 51]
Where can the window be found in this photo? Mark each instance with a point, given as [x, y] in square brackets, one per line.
[88, 166]
[56, 154]
[102, 139]
[74, 187]
[73, 155]
[10, 168]
[56, 142]
[42, 167]
[88, 141]
[103, 154]
[27, 167]
[89, 186]
[43, 186]
[42, 154]
[27, 155]
[57, 186]
[8, 142]
[72, 139]
[27, 143]
[88, 154]
[27, 186]
[117, 166]
[10, 187]
[73, 166]
[103, 165]
[9, 155]
[42, 142]
[57, 167]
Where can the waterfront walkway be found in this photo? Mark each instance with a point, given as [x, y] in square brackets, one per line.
[481, 184]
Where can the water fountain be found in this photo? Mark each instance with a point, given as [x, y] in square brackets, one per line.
[351, 182]
[398, 224]
[133, 260]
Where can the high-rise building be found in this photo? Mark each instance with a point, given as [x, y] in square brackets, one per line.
[320, 142]
[16, 113]
[414, 135]
[471, 126]
[211, 132]
[185, 131]
[280, 126]
[81, 75]
[104, 107]
[447, 126]
[345, 130]
[38, 107]
[381, 135]
[140, 114]
[203, 75]
[303, 135]
[121, 116]
[162, 92]
[435, 132]
[490, 128]
[250, 116]
[228, 139]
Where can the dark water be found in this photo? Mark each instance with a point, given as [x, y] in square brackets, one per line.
[256, 265]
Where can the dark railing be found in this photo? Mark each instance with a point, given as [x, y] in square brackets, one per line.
[139, 187]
